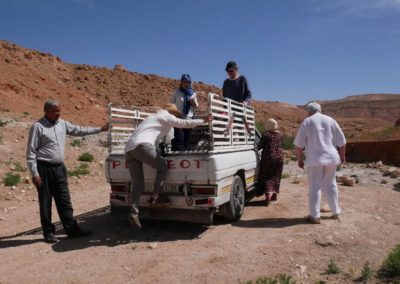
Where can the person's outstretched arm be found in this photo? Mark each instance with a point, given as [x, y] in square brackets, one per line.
[76, 130]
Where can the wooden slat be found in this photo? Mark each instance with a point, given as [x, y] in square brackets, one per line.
[219, 115]
[214, 108]
[124, 116]
[221, 143]
[122, 110]
[120, 135]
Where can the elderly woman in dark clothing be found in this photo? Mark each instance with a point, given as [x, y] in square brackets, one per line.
[271, 165]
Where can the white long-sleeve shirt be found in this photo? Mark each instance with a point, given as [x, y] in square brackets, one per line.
[178, 99]
[320, 135]
[46, 141]
[156, 127]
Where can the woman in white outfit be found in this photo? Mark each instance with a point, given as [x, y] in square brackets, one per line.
[317, 143]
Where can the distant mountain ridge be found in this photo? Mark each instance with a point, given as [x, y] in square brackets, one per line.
[383, 106]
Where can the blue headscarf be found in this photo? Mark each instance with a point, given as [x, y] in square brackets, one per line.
[188, 93]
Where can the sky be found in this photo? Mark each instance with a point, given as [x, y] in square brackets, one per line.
[290, 51]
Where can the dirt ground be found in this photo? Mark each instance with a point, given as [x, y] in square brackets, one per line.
[265, 242]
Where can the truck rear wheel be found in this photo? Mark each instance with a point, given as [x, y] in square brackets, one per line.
[235, 207]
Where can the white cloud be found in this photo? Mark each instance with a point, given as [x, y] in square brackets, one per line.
[358, 8]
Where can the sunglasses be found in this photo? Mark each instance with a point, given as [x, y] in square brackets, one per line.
[231, 70]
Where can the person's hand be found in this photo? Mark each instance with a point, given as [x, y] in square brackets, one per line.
[343, 159]
[300, 163]
[208, 118]
[37, 181]
[246, 103]
[105, 127]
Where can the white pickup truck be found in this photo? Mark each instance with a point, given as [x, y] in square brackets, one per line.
[214, 177]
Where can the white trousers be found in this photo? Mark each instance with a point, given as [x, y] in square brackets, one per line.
[322, 179]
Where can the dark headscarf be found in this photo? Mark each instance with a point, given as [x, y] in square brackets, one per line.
[188, 93]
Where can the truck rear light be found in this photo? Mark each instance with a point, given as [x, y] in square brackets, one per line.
[119, 188]
[203, 191]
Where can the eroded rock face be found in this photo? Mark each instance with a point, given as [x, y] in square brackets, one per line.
[365, 152]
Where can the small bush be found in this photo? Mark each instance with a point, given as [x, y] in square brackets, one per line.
[391, 266]
[332, 268]
[366, 273]
[76, 143]
[11, 179]
[285, 175]
[287, 142]
[285, 279]
[86, 157]
[19, 167]
[25, 113]
[82, 170]
[279, 279]
[293, 158]
[3, 123]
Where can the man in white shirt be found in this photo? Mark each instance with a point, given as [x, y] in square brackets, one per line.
[141, 147]
[318, 141]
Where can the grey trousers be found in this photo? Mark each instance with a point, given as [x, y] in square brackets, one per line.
[144, 153]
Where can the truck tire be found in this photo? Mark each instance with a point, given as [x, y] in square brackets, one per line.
[235, 207]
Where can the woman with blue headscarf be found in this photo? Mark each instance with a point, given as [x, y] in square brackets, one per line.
[185, 100]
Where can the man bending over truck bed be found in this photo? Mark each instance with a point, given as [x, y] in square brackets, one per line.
[141, 147]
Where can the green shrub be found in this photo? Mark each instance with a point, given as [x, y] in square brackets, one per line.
[285, 279]
[11, 179]
[76, 143]
[332, 268]
[285, 175]
[279, 279]
[287, 142]
[86, 157]
[293, 158]
[391, 266]
[3, 123]
[19, 167]
[82, 170]
[25, 113]
[366, 273]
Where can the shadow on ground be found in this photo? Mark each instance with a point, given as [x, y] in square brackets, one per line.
[110, 230]
[269, 223]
